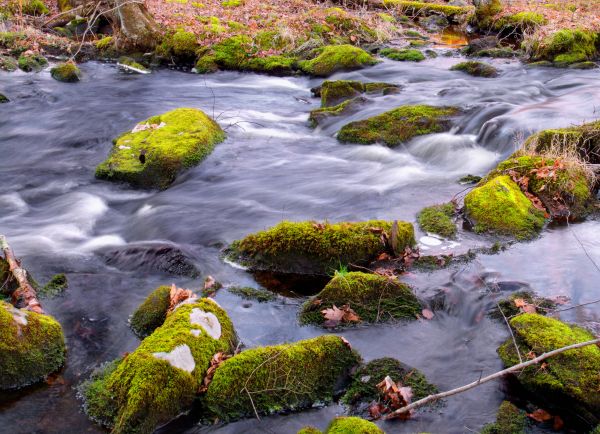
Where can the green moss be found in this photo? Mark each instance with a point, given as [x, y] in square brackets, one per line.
[317, 116]
[399, 125]
[584, 65]
[352, 425]
[272, 64]
[335, 92]
[282, 377]
[501, 52]
[363, 388]
[35, 7]
[469, 179]
[403, 55]
[231, 3]
[8, 64]
[415, 7]
[152, 313]
[104, 43]
[476, 69]
[184, 44]
[523, 21]
[249, 293]
[568, 381]
[318, 248]
[206, 64]
[334, 58]
[438, 220]
[98, 400]
[509, 308]
[144, 391]
[66, 72]
[374, 298]
[57, 284]
[485, 14]
[567, 46]
[128, 61]
[500, 207]
[186, 139]
[309, 430]
[509, 420]
[32, 62]
[32, 346]
[386, 17]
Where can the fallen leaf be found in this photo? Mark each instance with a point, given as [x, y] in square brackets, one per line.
[177, 295]
[209, 282]
[540, 415]
[427, 314]
[558, 423]
[519, 302]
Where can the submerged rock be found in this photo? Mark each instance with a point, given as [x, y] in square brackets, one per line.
[333, 93]
[437, 219]
[372, 297]
[476, 69]
[568, 383]
[399, 125]
[161, 378]
[334, 58]
[32, 346]
[266, 380]
[317, 116]
[152, 313]
[509, 420]
[66, 72]
[3, 98]
[157, 149]
[318, 248]
[499, 206]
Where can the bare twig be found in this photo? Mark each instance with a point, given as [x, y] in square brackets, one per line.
[512, 335]
[517, 367]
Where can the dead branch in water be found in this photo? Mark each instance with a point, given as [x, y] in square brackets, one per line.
[25, 294]
[517, 367]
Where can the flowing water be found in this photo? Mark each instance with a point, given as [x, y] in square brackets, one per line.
[273, 166]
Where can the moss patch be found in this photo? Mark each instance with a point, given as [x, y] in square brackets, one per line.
[476, 69]
[333, 93]
[170, 143]
[402, 55]
[424, 8]
[249, 293]
[352, 425]
[317, 248]
[57, 285]
[399, 125]
[509, 308]
[66, 72]
[438, 220]
[568, 381]
[32, 62]
[32, 346]
[567, 46]
[509, 420]
[374, 298]
[8, 64]
[334, 58]
[146, 390]
[319, 115]
[152, 313]
[282, 377]
[499, 206]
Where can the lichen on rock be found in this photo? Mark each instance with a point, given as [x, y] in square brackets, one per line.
[157, 149]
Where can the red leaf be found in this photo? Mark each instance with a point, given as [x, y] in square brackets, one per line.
[540, 415]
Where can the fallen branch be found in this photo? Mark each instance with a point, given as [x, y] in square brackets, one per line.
[25, 295]
[438, 396]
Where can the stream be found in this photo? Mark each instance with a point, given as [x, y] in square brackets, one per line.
[273, 166]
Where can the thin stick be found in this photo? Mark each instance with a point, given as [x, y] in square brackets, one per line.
[512, 335]
[24, 294]
[437, 396]
[578, 305]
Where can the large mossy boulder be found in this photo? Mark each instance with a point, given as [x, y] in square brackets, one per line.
[509, 420]
[567, 46]
[499, 206]
[157, 149]
[334, 92]
[32, 346]
[399, 125]
[152, 313]
[569, 382]
[334, 58]
[374, 298]
[66, 72]
[293, 376]
[161, 378]
[318, 248]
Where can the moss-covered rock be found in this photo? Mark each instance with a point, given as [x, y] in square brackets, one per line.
[249, 293]
[56, 285]
[265, 380]
[412, 8]
[374, 298]
[568, 382]
[499, 206]
[334, 58]
[497, 52]
[509, 420]
[476, 69]
[363, 388]
[399, 125]
[317, 116]
[509, 308]
[32, 346]
[317, 248]
[352, 425]
[32, 62]
[104, 43]
[132, 65]
[66, 72]
[160, 379]
[520, 22]
[309, 430]
[8, 64]
[160, 147]
[438, 220]
[402, 55]
[566, 46]
[152, 313]
[584, 65]
[3, 98]
[34, 7]
[333, 93]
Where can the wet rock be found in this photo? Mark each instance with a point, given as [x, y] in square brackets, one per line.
[8, 64]
[499, 206]
[153, 257]
[32, 346]
[265, 380]
[363, 389]
[152, 313]
[66, 72]
[318, 248]
[437, 219]
[345, 108]
[434, 23]
[399, 125]
[157, 149]
[3, 99]
[161, 378]
[568, 384]
[509, 420]
[249, 293]
[402, 55]
[334, 58]
[32, 62]
[476, 69]
[372, 297]
[479, 44]
[584, 65]
[333, 93]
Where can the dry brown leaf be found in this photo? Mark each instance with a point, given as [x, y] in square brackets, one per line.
[540, 415]
[177, 295]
